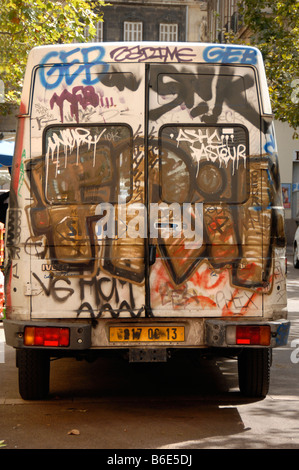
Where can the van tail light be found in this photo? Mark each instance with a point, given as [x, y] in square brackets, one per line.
[46, 336]
[255, 335]
[249, 335]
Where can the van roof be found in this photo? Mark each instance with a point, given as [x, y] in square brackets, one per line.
[149, 51]
[105, 53]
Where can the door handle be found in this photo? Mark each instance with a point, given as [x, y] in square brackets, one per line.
[152, 254]
[161, 225]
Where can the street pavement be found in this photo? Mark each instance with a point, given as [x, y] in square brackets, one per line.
[111, 404]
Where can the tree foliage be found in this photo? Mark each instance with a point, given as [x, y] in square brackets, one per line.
[274, 27]
[28, 23]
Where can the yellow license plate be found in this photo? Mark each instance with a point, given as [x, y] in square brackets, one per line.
[146, 333]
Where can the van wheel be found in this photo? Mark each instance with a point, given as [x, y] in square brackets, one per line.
[34, 374]
[296, 261]
[254, 372]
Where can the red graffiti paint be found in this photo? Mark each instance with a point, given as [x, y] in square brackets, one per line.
[162, 277]
[226, 311]
[8, 293]
[209, 279]
[205, 302]
[224, 252]
[248, 272]
[18, 149]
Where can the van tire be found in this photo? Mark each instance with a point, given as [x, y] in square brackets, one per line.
[254, 372]
[34, 374]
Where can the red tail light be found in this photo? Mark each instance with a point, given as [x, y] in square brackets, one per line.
[46, 336]
[254, 335]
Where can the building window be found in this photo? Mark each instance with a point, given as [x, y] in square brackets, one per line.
[132, 31]
[99, 33]
[168, 32]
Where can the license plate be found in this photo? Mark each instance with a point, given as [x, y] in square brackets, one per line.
[146, 333]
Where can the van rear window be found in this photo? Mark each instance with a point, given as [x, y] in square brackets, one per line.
[88, 164]
[187, 86]
[204, 164]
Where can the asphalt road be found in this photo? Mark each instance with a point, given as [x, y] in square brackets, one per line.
[113, 405]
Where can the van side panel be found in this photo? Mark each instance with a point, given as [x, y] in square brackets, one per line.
[17, 240]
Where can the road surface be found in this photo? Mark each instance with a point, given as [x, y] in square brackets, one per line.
[111, 404]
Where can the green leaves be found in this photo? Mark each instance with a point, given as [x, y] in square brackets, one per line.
[275, 31]
[28, 23]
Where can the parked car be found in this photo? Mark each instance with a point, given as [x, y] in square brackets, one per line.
[296, 249]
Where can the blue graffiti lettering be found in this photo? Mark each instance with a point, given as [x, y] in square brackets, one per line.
[52, 74]
[270, 144]
[230, 55]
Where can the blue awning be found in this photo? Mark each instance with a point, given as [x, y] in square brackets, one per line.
[6, 152]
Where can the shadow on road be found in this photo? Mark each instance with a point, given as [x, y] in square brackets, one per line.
[118, 405]
[185, 378]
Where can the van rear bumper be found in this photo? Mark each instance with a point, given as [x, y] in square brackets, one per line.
[199, 333]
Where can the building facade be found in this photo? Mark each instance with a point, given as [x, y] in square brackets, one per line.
[153, 20]
[139, 21]
[223, 16]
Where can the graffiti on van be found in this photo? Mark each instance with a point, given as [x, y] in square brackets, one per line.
[213, 147]
[85, 62]
[94, 158]
[147, 53]
[71, 64]
[205, 96]
[206, 165]
[230, 55]
[86, 96]
[86, 58]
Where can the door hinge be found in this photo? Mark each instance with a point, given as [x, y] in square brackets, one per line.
[31, 289]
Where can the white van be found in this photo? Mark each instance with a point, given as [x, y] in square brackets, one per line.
[145, 209]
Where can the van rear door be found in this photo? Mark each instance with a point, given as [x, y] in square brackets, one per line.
[87, 178]
[205, 129]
